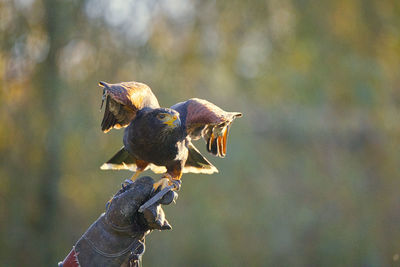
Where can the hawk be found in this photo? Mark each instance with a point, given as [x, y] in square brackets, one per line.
[160, 139]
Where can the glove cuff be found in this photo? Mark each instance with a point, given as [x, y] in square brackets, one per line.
[102, 245]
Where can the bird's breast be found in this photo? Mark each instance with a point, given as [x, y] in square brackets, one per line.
[154, 147]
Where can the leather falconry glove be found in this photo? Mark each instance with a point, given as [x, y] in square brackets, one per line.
[117, 237]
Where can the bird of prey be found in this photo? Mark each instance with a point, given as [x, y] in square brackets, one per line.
[161, 138]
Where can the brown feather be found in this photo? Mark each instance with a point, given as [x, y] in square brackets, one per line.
[108, 119]
[201, 111]
[204, 119]
[225, 136]
[123, 100]
[220, 148]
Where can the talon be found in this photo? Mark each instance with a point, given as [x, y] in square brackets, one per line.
[177, 184]
[164, 182]
[124, 186]
[127, 183]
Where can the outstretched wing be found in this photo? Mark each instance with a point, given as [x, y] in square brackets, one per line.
[123, 100]
[204, 119]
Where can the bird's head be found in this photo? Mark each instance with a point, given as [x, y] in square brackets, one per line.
[165, 118]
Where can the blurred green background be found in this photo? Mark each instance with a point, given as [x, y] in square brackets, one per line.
[312, 175]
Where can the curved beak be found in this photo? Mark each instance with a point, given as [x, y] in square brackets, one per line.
[173, 122]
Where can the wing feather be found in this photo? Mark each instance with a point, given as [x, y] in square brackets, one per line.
[204, 119]
[123, 100]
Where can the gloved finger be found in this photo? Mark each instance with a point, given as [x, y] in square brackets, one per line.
[155, 218]
[168, 198]
[159, 196]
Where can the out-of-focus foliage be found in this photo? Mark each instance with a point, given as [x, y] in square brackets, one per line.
[312, 176]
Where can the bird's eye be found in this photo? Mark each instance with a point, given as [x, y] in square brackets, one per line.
[161, 116]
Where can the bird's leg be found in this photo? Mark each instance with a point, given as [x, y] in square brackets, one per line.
[133, 178]
[176, 174]
[171, 177]
[169, 181]
[162, 183]
[136, 175]
[163, 186]
[140, 167]
[176, 182]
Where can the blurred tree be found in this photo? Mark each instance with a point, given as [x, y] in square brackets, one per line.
[47, 84]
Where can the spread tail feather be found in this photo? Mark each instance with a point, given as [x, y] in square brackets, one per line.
[197, 163]
[122, 160]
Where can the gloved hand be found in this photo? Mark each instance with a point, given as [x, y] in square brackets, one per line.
[116, 238]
